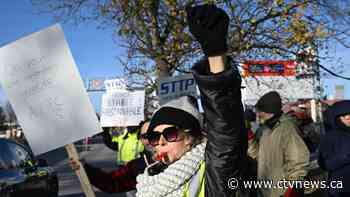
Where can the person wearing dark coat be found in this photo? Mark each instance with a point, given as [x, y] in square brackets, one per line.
[198, 166]
[334, 148]
[123, 178]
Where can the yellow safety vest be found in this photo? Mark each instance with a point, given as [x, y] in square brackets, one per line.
[129, 147]
[195, 187]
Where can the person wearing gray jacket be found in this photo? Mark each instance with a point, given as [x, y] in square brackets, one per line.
[281, 153]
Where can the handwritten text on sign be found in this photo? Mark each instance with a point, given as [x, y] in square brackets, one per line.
[122, 108]
[40, 79]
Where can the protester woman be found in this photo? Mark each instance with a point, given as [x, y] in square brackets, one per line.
[196, 166]
[190, 165]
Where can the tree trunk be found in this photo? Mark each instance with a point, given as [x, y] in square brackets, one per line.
[163, 69]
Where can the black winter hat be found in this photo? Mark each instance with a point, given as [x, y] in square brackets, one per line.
[249, 115]
[182, 112]
[270, 102]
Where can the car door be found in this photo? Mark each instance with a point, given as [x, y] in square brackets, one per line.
[35, 179]
[5, 187]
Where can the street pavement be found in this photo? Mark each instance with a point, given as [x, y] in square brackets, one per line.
[95, 153]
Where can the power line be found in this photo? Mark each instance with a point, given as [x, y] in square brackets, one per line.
[333, 73]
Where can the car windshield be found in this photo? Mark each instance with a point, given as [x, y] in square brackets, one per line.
[12, 155]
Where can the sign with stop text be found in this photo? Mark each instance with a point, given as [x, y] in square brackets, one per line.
[174, 87]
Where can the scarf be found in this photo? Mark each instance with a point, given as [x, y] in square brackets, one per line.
[171, 182]
[273, 121]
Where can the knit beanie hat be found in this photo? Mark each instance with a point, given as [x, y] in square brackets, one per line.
[270, 102]
[249, 115]
[182, 112]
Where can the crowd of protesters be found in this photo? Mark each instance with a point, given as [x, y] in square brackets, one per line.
[260, 144]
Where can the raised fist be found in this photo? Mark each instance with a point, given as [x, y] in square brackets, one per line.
[209, 25]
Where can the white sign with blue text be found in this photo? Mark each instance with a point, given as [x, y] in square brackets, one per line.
[173, 87]
[39, 77]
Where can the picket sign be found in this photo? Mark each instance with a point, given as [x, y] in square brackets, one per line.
[122, 108]
[39, 77]
[170, 88]
[83, 178]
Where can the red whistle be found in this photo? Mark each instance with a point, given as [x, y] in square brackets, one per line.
[160, 156]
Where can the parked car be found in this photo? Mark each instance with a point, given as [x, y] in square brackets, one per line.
[23, 175]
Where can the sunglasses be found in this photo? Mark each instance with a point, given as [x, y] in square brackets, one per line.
[170, 134]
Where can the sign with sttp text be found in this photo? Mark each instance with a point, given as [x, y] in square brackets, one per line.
[39, 77]
[173, 87]
[121, 109]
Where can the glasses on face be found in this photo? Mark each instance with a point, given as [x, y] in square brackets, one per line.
[170, 134]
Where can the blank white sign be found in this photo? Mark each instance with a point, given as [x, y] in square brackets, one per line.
[40, 78]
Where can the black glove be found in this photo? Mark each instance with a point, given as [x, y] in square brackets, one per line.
[209, 25]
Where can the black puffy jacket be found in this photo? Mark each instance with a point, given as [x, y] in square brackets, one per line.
[226, 149]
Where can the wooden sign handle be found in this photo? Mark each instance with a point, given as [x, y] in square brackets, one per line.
[83, 178]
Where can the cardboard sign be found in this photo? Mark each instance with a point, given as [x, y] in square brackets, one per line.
[174, 87]
[112, 85]
[40, 78]
[122, 109]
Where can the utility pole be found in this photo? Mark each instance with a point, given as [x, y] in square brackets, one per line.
[309, 68]
[316, 83]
